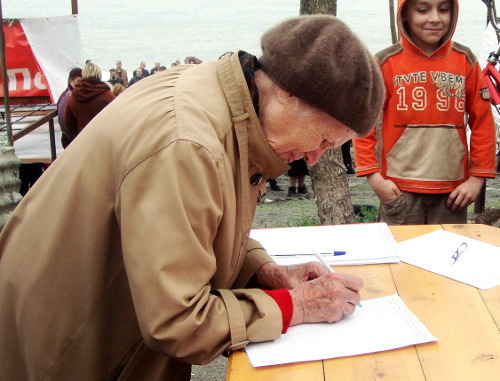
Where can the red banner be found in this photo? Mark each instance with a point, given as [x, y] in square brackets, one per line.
[25, 77]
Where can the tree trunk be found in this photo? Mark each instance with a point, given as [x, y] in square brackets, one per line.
[328, 176]
[331, 189]
[326, 7]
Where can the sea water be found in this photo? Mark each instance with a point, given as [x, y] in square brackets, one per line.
[166, 30]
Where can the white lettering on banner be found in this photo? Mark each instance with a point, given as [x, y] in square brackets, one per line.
[26, 79]
[38, 81]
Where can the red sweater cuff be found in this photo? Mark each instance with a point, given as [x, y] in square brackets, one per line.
[284, 301]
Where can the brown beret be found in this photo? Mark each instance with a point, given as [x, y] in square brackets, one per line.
[319, 59]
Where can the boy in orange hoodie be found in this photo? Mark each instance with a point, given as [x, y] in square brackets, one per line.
[420, 165]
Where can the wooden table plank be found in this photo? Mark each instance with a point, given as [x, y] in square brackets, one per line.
[448, 308]
[402, 365]
[402, 233]
[240, 369]
[378, 282]
[480, 232]
[490, 235]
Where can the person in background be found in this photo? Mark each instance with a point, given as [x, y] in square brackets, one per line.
[144, 265]
[192, 61]
[297, 177]
[121, 73]
[156, 68]
[273, 184]
[74, 78]
[346, 157]
[117, 89]
[88, 98]
[137, 77]
[29, 173]
[426, 173]
[113, 78]
[145, 73]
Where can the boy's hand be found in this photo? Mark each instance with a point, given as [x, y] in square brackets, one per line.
[385, 190]
[465, 194]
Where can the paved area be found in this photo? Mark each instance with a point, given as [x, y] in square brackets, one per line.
[215, 371]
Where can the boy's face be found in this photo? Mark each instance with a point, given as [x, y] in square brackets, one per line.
[428, 22]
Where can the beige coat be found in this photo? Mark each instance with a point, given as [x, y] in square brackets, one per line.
[119, 261]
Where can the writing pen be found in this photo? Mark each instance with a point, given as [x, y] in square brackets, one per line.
[336, 253]
[327, 266]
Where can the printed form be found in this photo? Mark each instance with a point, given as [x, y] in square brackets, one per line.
[454, 256]
[363, 244]
[382, 324]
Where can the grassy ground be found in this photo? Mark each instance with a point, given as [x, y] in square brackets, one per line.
[279, 210]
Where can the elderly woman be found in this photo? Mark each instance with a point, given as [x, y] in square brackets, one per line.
[88, 98]
[144, 265]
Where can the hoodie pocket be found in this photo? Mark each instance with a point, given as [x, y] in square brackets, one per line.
[394, 209]
[427, 153]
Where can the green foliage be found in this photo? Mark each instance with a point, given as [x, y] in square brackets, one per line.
[367, 215]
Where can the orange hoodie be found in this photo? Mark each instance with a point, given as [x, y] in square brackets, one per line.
[422, 145]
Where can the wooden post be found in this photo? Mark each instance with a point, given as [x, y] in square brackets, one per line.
[394, 33]
[74, 7]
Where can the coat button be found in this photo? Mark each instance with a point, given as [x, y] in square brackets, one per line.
[256, 179]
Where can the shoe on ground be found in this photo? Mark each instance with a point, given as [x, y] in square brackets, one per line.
[276, 188]
[302, 189]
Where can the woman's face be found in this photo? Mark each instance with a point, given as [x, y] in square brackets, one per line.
[297, 130]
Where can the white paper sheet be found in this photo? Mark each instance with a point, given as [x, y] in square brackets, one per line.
[382, 324]
[478, 265]
[364, 244]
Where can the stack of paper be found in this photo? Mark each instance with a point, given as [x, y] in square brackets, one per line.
[362, 243]
[454, 256]
[382, 324]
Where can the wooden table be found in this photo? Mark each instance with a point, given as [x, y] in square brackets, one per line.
[465, 320]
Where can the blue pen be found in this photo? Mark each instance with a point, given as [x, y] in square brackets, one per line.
[336, 253]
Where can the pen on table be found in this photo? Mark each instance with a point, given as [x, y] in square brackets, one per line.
[336, 253]
[327, 266]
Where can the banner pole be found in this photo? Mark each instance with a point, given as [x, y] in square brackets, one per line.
[5, 84]
[74, 7]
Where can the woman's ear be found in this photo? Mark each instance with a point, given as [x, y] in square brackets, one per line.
[283, 95]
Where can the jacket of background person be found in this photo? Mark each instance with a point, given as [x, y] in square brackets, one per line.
[136, 266]
[61, 107]
[85, 102]
[423, 145]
